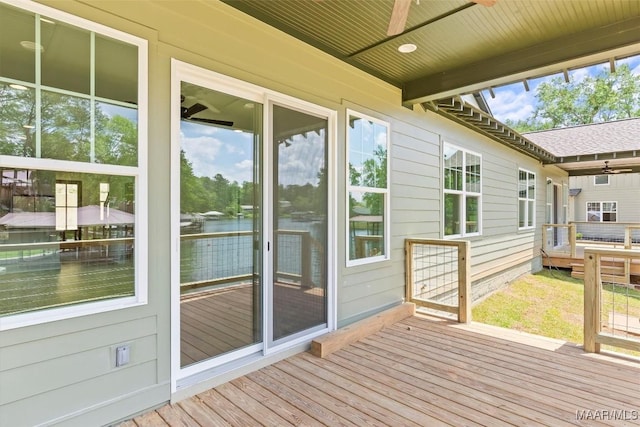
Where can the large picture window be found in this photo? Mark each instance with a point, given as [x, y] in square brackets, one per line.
[462, 192]
[368, 189]
[526, 199]
[72, 135]
[602, 211]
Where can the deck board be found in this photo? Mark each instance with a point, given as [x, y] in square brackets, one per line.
[425, 371]
[216, 321]
[487, 356]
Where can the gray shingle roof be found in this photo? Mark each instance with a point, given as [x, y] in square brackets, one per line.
[621, 135]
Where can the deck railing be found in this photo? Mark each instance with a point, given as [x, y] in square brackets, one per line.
[21, 257]
[611, 299]
[438, 276]
[617, 234]
[222, 258]
[561, 240]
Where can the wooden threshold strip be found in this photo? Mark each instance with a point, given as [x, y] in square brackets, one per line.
[334, 341]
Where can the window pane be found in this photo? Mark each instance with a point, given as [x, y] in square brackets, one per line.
[66, 127]
[367, 153]
[66, 57]
[17, 56]
[116, 134]
[453, 168]
[531, 212]
[65, 238]
[452, 214]
[473, 173]
[472, 215]
[532, 186]
[522, 184]
[366, 224]
[17, 121]
[522, 213]
[116, 65]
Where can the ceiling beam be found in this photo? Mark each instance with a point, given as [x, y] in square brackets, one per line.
[590, 46]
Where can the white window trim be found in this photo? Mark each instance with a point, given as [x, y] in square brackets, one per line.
[595, 178]
[139, 173]
[385, 191]
[601, 211]
[528, 199]
[464, 193]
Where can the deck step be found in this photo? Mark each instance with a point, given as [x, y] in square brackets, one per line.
[603, 269]
[607, 278]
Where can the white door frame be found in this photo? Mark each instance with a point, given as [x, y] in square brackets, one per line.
[181, 71]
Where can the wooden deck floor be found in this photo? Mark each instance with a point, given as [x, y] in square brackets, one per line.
[425, 372]
[215, 322]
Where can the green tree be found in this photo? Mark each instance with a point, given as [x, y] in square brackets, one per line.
[605, 97]
[374, 172]
[191, 189]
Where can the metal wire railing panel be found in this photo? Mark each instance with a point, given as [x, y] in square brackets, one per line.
[438, 275]
[612, 298]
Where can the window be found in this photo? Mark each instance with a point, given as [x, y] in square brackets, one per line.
[601, 180]
[462, 192]
[72, 139]
[368, 189]
[526, 199]
[602, 211]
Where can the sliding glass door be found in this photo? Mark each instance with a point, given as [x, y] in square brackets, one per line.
[251, 263]
[220, 224]
[299, 153]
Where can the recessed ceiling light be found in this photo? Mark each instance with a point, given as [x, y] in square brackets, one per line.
[48, 21]
[29, 45]
[407, 48]
[18, 87]
[249, 105]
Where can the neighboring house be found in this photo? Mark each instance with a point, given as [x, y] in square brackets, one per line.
[606, 192]
[134, 104]
[606, 198]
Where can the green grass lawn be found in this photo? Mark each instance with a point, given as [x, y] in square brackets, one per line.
[550, 304]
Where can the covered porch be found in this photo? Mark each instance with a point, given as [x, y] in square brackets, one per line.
[425, 371]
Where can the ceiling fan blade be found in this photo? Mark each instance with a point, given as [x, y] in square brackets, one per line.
[194, 109]
[487, 3]
[211, 121]
[398, 17]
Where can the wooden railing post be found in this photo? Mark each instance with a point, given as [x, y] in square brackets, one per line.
[305, 259]
[627, 237]
[592, 291]
[572, 239]
[464, 283]
[408, 265]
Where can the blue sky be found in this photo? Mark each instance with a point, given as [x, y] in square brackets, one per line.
[214, 150]
[513, 102]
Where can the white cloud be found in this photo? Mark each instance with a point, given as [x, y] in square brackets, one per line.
[300, 162]
[202, 152]
[512, 103]
[242, 171]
